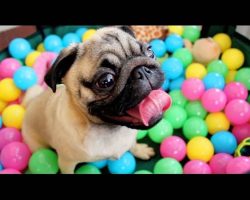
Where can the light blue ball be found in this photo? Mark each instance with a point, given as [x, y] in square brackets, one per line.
[224, 142]
[1, 167]
[19, 48]
[165, 85]
[176, 83]
[158, 47]
[58, 49]
[214, 80]
[1, 122]
[25, 77]
[70, 38]
[52, 42]
[80, 32]
[100, 164]
[124, 165]
[173, 42]
[172, 68]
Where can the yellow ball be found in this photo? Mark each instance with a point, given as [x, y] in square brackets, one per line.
[217, 122]
[2, 105]
[176, 29]
[13, 116]
[40, 48]
[233, 58]
[230, 76]
[31, 58]
[200, 148]
[8, 90]
[88, 34]
[223, 40]
[196, 70]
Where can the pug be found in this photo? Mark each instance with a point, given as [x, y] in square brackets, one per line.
[100, 92]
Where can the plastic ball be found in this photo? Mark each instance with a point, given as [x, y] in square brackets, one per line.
[233, 58]
[176, 29]
[15, 155]
[172, 68]
[168, 166]
[88, 169]
[1, 167]
[124, 165]
[141, 134]
[43, 161]
[173, 147]
[236, 90]
[224, 142]
[160, 131]
[184, 55]
[70, 38]
[193, 127]
[25, 77]
[10, 171]
[13, 116]
[40, 48]
[19, 48]
[192, 88]
[1, 122]
[173, 42]
[158, 47]
[178, 98]
[196, 167]
[219, 162]
[8, 90]
[176, 115]
[192, 33]
[81, 31]
[214, 100]
[99, 164]
[243, 76]
[231, 76]
[217, 121]
[176, 83]
[217, 66]
[31, 58]
[223, 40]
[196, 70]
[162, 59]
[241, 132]
[8, 135]
[195, 109]
[214, 80]
[8, 67]
[238, 165]
[165, 85]
[52, 42]
[88, 34]
[58, 49]
[143, 172]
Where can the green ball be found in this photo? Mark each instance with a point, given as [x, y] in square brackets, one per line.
[44, 161]
[243, 76]
[184, 55]
[177, 98]
[248, 99]
[162, 59]
[195, 109]
[218, 66]
[88, 169]
[191, 33]
[160, 131]
[168, 166]
[176, 115]
[141, 134]
[194, 126]
[143, 172]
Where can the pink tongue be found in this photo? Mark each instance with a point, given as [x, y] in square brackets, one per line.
[153, 105]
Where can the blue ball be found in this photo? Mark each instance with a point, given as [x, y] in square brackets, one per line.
[172, 68]
[1, 167]
[70, 38]
[124, 165]
[19, 48]
[1, 122]
[58, 49]
[158, 47]
[100, 164]
[52, 42]
[214, 80]
[176, 83]
[25, 77]
[80, 32]
[173, 43]
[224, 142]
[165, 85]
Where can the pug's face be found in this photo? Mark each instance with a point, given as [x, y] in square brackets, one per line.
[113, 78]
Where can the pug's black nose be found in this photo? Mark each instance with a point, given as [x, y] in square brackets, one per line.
[142, 72]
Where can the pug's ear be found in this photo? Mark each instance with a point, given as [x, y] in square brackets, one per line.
[127, 29]
[61, 66]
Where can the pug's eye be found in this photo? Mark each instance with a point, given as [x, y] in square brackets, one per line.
[106, 81]
[150, 53]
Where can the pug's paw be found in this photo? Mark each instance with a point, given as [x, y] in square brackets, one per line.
[143, 151]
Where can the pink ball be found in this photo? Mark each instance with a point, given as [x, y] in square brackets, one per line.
[192, 88]
[235, 90]
[15, 155]
[219, 162]
[238, 165]
[241, 132]
[196, 167]
[238, 111]
[10, 171]
[173, 147]
[213, 100]
[8, 67]
[8, 135]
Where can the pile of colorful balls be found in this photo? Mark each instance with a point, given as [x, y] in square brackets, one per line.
[206, 131]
